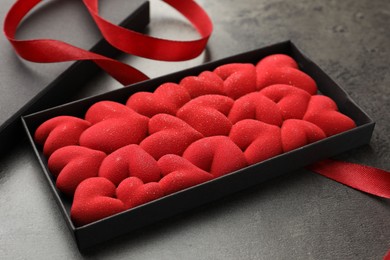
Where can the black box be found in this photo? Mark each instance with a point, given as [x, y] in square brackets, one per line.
[63, 88]
[170, 205]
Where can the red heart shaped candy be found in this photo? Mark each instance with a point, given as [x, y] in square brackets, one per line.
[114, 133]
[291, 101]
[278, 60]
[95, 199]
[133, 192]
[206, 83]
[207, 114]
[256, 106]
[128, 161]
[296, 133]
[73, 164]
[167, 98]
[323, 112]
[239, 79]
[180, 174]
[258, 140]
[168, 135]
[104, 110]
[59, 132]
[217, 155]
[281, 69]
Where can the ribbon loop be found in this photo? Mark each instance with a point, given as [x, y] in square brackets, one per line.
[132, 42]
[142, 45]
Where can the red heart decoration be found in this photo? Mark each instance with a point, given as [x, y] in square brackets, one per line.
[180, 174]
[323, 112]
[282, 69]
[167, 98]
[168, 135]
[104, 110]
[128, 161]
[217, 155]
[239, 78]
[255, 106]
[226, 70]
[114, 133]
[258, 140]
[95, 199]
[278, 60]
[296, 133]
[207, 114]
[59, 132]
[133, 192]
[73, 164]
[206, 83]
[291, 101]
[221, 103]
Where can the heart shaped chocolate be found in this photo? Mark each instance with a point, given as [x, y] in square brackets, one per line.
[208, 114]
[292, 102]
[239, 79]
[94, 199]
[282, 69]
[180, 174]
[130, 161]
[258, 140]
[296, 133]
[217, 155]
[59, 132]
[113, 133]
[168, 135]
[104, 110]
[73, 164]
[206, 83]
[133, 192]
[256, 106]
[167, 98]
[323, 112]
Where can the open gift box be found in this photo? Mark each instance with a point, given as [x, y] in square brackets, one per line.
[188, 198]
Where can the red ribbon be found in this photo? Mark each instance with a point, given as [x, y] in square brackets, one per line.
[47, 50]
[387, 256]
[363, 178]
[154, 48]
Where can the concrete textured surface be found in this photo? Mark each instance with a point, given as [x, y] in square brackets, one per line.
[298, 216]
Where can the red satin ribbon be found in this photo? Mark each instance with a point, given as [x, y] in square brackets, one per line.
[154, 48]
[47, 50]
[364, 178]
[361, 177]
[387, 256]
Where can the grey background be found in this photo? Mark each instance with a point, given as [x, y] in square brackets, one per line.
[298, 216]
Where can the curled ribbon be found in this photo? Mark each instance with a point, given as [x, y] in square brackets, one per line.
[132, 42]
[368, 179]
[146, 46]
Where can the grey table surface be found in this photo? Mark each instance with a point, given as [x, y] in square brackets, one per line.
[298, 216]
